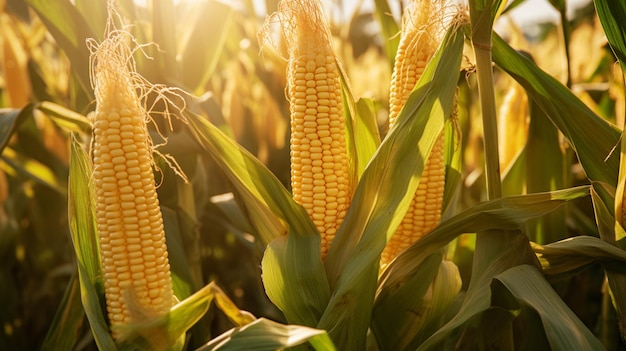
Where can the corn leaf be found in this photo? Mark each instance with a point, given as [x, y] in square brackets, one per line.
[428, 296]
[612, 232]
[571, 255]
[84, 237]
[170, 329]
[514, 177]
[233, 218]
[64, 117]
[545, 167]
[266, 335]
[511, 5]
[616, 211]
[267, 201]
[198, 62]
[181, 276]
[164, 36]
[97, 13]
[563, 329]
[454, 165]
[64, 333]
[10, 120]
[592, 138]
[290, 260]
[383, 196]
[361, 128]
[70, 30]
[559, 5]
[483, 15]
[389, 29]
[507, 213]
[34, 170]
[612, 16]
[303, 305]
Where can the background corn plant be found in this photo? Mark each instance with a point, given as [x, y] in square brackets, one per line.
[541, 267]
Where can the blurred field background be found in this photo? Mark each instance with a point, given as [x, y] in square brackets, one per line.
[210, 49]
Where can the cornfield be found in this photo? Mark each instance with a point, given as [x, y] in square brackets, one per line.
[311, 175]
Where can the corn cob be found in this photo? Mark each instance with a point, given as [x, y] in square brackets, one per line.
[134, 255]
[320, 179]
[419, 40]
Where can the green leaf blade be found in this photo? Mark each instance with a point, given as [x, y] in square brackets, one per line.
[592, 138]
[563, 329]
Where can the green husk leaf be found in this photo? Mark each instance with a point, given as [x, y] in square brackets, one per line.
[306, 304]
[82, 219]
[361, 128]
[266, 335]
[563, 329]
[383, 196]
[167, 332]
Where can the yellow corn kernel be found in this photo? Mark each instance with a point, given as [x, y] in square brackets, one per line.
[320, 179]
[136, 269]
[419, 39]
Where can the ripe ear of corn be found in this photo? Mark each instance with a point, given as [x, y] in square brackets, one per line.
[420, 37]
[320, 179]
[137, 279]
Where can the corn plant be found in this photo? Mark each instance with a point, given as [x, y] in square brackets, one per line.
[267, 185]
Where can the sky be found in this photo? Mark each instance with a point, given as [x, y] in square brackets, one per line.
[533, 11]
